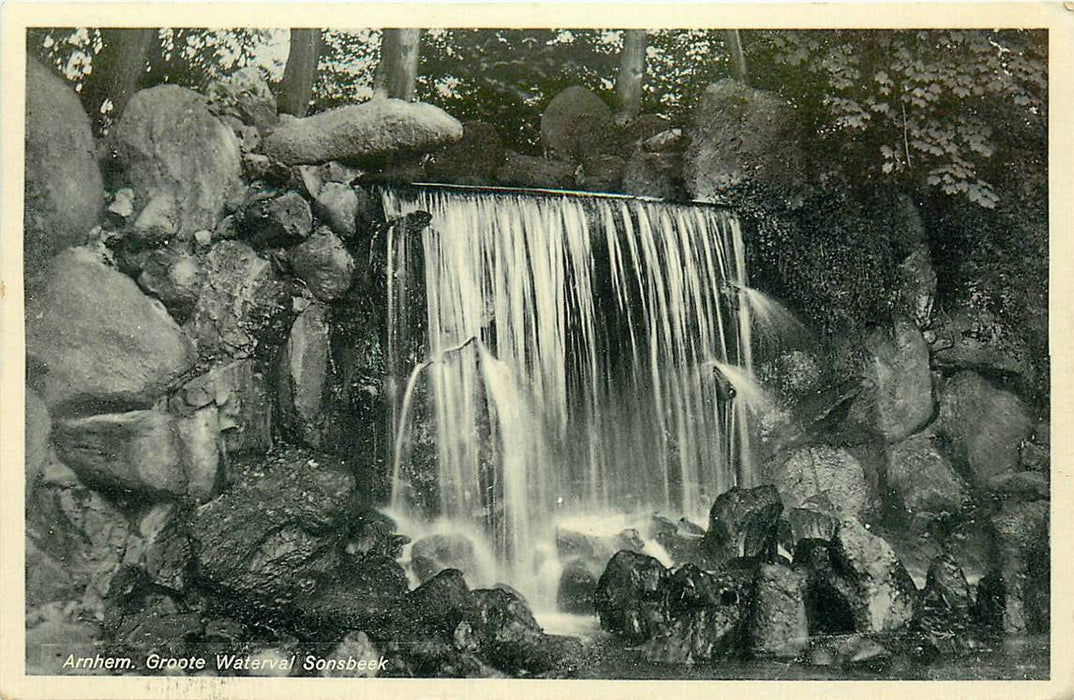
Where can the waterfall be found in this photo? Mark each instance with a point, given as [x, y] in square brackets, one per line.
[573, 355]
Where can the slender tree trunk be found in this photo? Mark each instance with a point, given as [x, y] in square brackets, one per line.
[631, 76]
[738, 58]
[397, 72]
[300, 74]
[117, 70]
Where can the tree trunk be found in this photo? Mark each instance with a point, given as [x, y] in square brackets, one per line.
[397, 72]
[628, 83]
[117, 70]
[300, 74]
[738, 58]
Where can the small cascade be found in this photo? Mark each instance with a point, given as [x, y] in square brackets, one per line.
[577, 353]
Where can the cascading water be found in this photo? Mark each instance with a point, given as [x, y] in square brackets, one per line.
[578, 353]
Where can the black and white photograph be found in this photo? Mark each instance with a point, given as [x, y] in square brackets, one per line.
[537, 352]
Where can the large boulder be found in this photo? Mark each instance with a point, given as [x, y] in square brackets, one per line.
[181, 161]
[881, 594]
[656, 174]
[277, 530]
[364, 132]
[742, 523]
[243, 95]
[740, 134]
[303, 376]
[820, 477]
[268, 220]
[324, 264]
[1016, 595]
[577, 125]
[970, 338]
[432, 554]
[38, 429]
[173, 276]
[243, 406]
[63, 194]
[630, 598]
[778, 625]
[901, 382]
[100, 342]
[985, 426]
[921, 479]
[473, 160]
[336, 204]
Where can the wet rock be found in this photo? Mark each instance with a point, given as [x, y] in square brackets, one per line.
[707, 617]
[742, 523]
[324, 264]
[38, 429]
[63, 193]
[529, 171]
[1018, 591]
[595, 549]
[102, 344]
[917, 287]
[985, 426]
[943, 621]
[883, 595]
[368, 594]
[577, 590]
[364, 132]
[601, 173]
[737, 133]
[174, 277]
[374, 533]
[336, 204]
[171, 148]
[433, 554]
[269, 221]
[820, 477]
[442, 602]
[778, 624]
[654, 175]
[473, 160]
[1025, 485]
[828, 599]
[243, 95]
[357, 646]
[168, 553]
[137, 450]
[630, 598]
[239, 300]
[575, 125]
[158, 626]
[901, 382]
[243, 408]
[503, 622]
[921, 478]
[275, 532]
[303, 376]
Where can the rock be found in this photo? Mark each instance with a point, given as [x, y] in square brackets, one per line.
[503, 622]
[985, 426]
[921, 479]
[630, 596]
[137, 450]
[708, 617]
[239, 300]
[473, 160]
[174, 277]
[158, 626]
[274, 533]
[122, 206]
[529, 171]
[742, 523]
[337, 205]
[361, 133]
[847, 651]
[303, 376]
[374, 533]
[52, 634]
[829, 599]
[822, 478]
[901, 382]
[810, 524]
[102, 343]
[442, 602]
[882, 594]
[946, 589]
[62, 189]
[269, 221]
[324, 264]
[369, 594]
[577, 590]
[431, 555]
[737, 134]
[656, 175]
[243, 95]
[200, 446]
[243, 408]
[1021, 584]
[168, 553]
[171, 148]
[778, 625]
[594, 550]
[575, 125]
[158, 221]
[38, 429]
[357, 647]
[1027, 485]
[969, 338]
[601, 173]
[917, 287]
[1035, 457]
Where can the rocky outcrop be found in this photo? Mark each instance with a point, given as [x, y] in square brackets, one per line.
[881, 593]
[63, 194]
[182, 162]
[1016, 596]
[822, 478]
[269, 220]
[985, 426]
[921, 478]
[432, 554]
[575, 126]
[336, 204]
[99, 342]
[364, 132]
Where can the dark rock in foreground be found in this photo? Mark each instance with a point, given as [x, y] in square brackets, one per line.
[630, 597]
